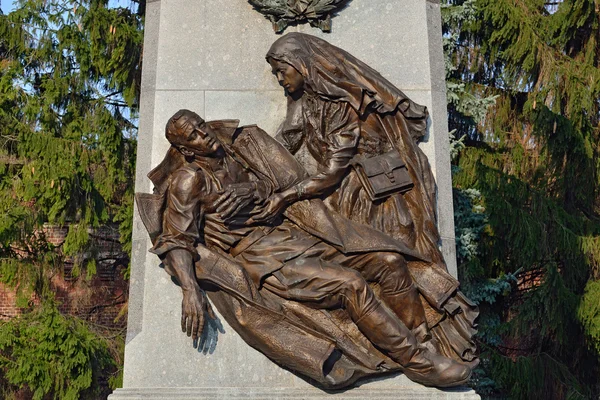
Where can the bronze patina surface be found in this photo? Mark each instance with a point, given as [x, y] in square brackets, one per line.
[313, 271]
[342, 111]
[283, 13]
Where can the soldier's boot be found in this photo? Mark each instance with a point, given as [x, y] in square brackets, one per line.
[426, 339]
[406, 304]
[431, 369]
[390, 335]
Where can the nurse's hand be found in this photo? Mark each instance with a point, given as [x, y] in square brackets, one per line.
[272, 208]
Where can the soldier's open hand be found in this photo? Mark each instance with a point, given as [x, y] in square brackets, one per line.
[194, 307]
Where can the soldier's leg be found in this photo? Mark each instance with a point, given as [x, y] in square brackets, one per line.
[327, 285]
[398, 290]
[390, 271]
[322, 284]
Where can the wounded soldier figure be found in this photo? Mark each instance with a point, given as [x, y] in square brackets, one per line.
[328, 298]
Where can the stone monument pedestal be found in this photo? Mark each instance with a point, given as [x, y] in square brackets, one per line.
[208, 56]
[372, 390]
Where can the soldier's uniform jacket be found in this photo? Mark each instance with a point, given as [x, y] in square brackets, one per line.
[179, 215]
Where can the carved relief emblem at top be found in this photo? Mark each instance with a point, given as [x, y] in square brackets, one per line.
[283, 13]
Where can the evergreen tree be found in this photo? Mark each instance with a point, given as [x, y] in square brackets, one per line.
[69, 88]
[524, 92]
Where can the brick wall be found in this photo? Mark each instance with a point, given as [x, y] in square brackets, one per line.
[7, 303]
[98, 300]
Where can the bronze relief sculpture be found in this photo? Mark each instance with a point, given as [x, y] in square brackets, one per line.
[335, 276]
[283, 13]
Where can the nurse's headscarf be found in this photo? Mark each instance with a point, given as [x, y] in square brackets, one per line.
[335, 75]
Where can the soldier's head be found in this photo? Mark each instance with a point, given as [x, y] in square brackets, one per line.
[188, 132]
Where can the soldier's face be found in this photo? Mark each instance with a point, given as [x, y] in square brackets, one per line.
[200, 141]
[288, 76]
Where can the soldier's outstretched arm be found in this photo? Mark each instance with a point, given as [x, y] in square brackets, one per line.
[179, 263]
[176, 246]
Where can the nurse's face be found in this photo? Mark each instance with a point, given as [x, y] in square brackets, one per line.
[288, 76]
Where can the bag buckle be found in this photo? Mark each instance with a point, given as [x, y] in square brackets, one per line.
[387, 170]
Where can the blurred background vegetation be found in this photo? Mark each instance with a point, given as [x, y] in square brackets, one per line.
[69, 89]
[523, 83]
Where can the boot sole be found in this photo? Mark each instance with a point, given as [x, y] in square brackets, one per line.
[447, 385]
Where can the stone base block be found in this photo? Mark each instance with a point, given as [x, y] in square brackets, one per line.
[363, 392]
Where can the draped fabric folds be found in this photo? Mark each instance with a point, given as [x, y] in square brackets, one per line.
[323, 345]
[387, 119]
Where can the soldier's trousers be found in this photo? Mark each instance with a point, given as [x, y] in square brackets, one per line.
[320, 278]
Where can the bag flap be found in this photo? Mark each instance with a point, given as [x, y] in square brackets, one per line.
[382, 164]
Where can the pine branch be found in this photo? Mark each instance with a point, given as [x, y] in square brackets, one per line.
[116, 103]
[10, 160]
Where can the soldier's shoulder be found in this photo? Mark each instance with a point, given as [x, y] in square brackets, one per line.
[188, 174]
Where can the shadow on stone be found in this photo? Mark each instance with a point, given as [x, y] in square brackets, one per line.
[207, 343]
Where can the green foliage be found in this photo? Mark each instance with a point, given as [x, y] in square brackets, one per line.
[69, 88]
[28, 261]
[52, 354]
[471, 222]
[543, 373]
[524, 103]
[124, 217]
[588, 313]
[69, 91]
[118, 353]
